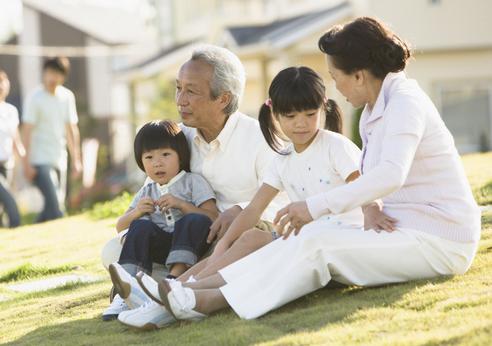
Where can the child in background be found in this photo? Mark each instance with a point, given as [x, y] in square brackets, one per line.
[169, 219]
[9, 141]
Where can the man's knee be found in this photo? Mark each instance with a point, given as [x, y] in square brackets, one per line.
[111, 252]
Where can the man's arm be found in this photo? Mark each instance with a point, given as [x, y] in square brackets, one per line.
[26, 131]
[73, 143]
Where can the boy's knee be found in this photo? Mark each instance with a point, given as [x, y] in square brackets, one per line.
[195, 217]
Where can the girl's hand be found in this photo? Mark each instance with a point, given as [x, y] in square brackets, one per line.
[375, 219]
[144, 206]
[168, 201]
[292, 218]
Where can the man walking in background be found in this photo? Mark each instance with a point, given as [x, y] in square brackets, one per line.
[49, 126]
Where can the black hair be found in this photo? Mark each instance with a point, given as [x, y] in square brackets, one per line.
[158, 135]
[365, 43]
[296, 89]
[59, 64]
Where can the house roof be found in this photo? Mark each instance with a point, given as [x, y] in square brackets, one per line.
[108, 23]
[287, 31]
[158, 62]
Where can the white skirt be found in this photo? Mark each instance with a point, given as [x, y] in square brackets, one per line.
[285, 270]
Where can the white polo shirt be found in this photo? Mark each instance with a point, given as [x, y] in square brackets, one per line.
[233, 163]
[9, 121]
[321, 167]
[410, 161]
[49, 114]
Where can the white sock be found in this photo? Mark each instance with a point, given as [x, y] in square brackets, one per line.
[191, 279]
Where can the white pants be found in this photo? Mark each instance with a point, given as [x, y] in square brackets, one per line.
[285, 270]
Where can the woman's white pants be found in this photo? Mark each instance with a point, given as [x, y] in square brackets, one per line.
[285, 270]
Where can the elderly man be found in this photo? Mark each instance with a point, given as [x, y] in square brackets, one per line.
[227, 147]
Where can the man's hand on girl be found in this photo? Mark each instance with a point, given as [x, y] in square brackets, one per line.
[222, 223]
[292, 218]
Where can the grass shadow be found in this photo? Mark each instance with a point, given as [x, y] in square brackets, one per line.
[311, 313]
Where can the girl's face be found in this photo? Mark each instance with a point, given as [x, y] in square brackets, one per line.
[349, 85]
[300, 127]
[161, 165]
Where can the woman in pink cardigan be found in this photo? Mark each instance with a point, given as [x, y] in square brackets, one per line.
[410, 170]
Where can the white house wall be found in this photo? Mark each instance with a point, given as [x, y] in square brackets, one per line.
[30, 66]
[98, 83]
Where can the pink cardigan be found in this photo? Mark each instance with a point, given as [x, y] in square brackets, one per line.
[410, 162]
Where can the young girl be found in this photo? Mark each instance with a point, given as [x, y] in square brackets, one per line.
[169, 218]
[315, 160]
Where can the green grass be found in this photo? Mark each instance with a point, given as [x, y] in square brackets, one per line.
[443, 311]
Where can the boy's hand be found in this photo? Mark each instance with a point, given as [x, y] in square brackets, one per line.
[169, 201]
[375, 219]
[145, 205]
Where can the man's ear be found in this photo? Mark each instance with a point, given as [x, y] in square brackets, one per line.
[224, 99]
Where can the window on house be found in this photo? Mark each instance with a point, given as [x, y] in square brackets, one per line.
[467, 111]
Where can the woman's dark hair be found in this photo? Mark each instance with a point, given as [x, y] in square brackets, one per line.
[296, 89]
[365, 43]
[158, 135]
[59, 64]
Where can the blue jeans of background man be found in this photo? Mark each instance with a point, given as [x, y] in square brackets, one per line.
[48, 181]
[7, 201]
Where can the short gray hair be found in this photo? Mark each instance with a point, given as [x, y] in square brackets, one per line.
[228, 75]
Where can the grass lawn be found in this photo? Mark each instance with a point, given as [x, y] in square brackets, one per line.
[444, 311]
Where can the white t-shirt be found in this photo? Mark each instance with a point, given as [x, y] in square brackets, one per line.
[9, 120]
[324, 165]
[49, 114]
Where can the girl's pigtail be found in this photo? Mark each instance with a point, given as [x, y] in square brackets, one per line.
[333, 114]
[269, 129]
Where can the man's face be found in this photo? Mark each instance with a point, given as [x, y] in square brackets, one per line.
[52, 78]
[194, 97]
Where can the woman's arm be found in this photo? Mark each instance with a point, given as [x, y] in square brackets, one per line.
[404, 128]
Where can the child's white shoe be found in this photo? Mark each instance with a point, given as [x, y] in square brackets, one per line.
[127, 286]
[179, 301]
[147, 317]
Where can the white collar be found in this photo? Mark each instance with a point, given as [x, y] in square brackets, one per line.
[165, 187]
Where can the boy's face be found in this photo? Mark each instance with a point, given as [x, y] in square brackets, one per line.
[4, 87]
[161, 165]
[52, 78]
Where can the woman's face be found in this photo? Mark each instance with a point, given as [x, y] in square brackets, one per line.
[349, 85]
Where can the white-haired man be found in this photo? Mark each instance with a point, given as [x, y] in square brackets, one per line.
[227, 148]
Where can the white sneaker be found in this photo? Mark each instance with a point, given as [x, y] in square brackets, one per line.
[179, 301]
[116, 307]
[147, 317]
[151, 287]
[127, 286]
